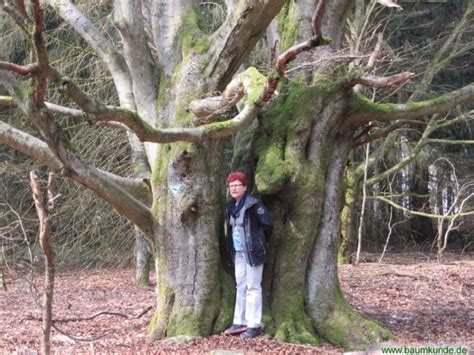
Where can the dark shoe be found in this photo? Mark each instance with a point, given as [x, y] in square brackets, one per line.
[251, 333]
[236, 329]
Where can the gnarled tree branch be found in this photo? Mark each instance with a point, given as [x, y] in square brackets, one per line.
[102, 46]
[363, 111]
[236, 38]
[39, 151]
[379, 82]
[73, 167]
[422, 214]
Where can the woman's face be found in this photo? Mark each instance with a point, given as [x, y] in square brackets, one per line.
[237, 189]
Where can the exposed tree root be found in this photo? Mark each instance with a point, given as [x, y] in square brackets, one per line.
[296, 331]
[348, 329]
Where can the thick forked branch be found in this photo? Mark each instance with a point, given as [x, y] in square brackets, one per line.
[258, 93]
[123, 202]
[101, 113]
[140, 93]
[102, 46]
[42, 120]
[39, 151]
[212, 107]
[363, 111]
[256, 98]
[236, 38]
[379, 82]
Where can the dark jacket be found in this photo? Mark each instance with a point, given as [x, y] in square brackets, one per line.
[258, 228]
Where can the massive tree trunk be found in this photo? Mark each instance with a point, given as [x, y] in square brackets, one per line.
[188, 178]
[301, 162]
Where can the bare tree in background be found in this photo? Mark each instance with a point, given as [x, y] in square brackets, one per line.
[44, 202]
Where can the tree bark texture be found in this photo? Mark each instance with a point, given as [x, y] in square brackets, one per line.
[143, 259]
[301, 160]
[3, 285]
[188, 179]
[349, 217]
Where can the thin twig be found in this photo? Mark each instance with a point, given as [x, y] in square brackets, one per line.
[106, 334]
[111, 313]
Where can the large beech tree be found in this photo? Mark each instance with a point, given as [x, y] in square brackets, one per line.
[178, 88]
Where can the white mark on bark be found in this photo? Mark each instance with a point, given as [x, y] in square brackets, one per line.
[175, 189]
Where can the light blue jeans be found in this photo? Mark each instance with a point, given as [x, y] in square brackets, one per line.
[248, 300]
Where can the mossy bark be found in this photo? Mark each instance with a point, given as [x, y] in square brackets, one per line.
[348, 217]
[3, 285]
[347, 328]
[301, 159]
[143, 259]
[296, 146]
[332, 316]
[187, 186]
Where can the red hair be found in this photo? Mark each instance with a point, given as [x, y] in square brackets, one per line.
[237, 175]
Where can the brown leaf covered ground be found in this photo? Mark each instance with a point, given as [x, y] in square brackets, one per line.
[420, 301]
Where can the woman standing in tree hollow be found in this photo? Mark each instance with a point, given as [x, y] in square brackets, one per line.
[249, 227]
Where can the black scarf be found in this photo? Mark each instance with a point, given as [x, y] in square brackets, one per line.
[237, 207]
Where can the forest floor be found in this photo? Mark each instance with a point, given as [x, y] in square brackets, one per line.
[422, 302]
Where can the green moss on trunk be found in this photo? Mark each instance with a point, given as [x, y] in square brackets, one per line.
[158, 323]
[292, 323]
[226, 309]
[348, 215]
[144, 278]
[192, 37]
[280, 125]
[288, 26]
[348, 329]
